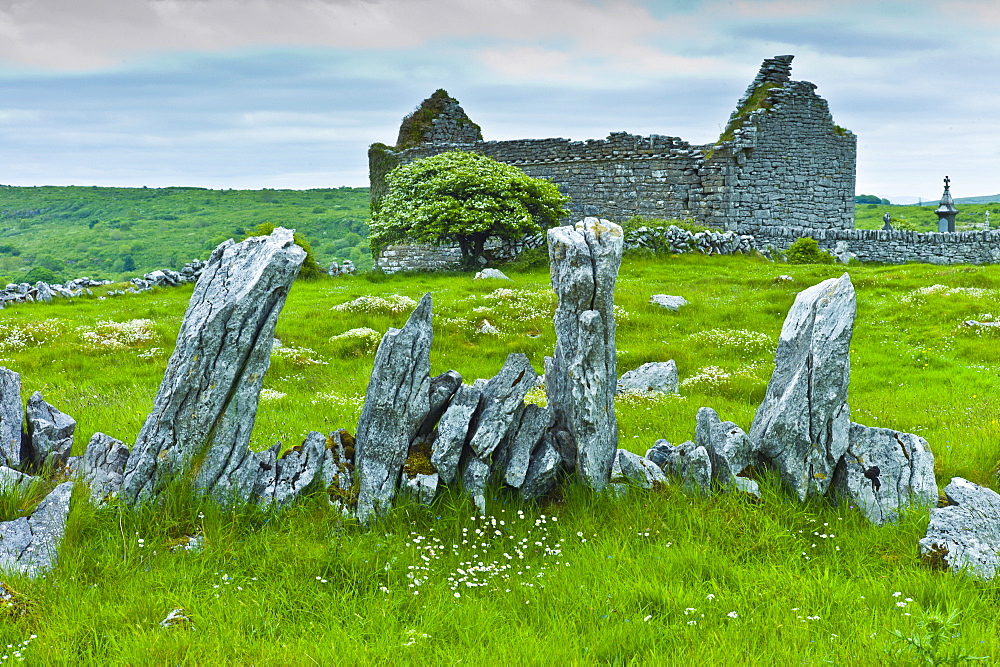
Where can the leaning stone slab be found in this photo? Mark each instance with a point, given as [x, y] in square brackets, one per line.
[656, 376]
[687, 461]
[396, 404]
[884, 471]
[543, 471]
[966, 534]
[512, 457]
[442, 388]
[11, 418]
[502, 396]
[50, 433]
[453, 431]
[103, 466]
[30, 545]
[582, 377]
[802, 426]
[207, 403]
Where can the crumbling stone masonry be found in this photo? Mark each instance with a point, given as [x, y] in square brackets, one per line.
[780, 161]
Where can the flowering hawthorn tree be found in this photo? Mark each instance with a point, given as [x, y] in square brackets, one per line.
[465, 199]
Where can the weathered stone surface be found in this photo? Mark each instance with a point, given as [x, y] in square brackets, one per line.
[103, 466]
[729, 448]
[475, 477]
[177, 618]
[207, 403]
[50, 433]
[502, 396]
[11, 480]
[638, 470]
[687, 461]
[11, 418]
[422, 488]
[494, 274]
[442, 388]
[513, 456]
[966, 534]
[667, 301]
[656, 376]
[884, 471]
[295, 471]
[338, 467]
[581, 382]
[30, 545]
[543, 471]
[802, 426]
[396, 404]
[453, 431]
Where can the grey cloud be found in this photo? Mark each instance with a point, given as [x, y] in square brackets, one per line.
[842, 39]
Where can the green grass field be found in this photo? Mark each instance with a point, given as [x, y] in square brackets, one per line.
[655, 577]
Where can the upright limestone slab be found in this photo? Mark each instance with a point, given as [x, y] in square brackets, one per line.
[207, 403]
[582, 381]
[11, 418]
[803, 425]
[396, 404]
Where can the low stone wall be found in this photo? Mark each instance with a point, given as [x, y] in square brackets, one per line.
[419, 257]
[891, 247]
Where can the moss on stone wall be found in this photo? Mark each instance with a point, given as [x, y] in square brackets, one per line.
[415, 127]
[381, 160]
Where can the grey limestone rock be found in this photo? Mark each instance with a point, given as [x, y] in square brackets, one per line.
[543, 471]
[396, 404]
[727, 445]
[177, 618]
[630, 467]
[475, 477]
[50, 433]
[422, 488]
[103, 466]
[494, 274]
[295, 471]
[667, 301]
[656, 376]
[338, 466]
[884, 471]
[502, 396]
[687, 461]
[965, 535]
[802, 426]
[11, 418]
[207, 403]
[11, 480]
[453, 431]
[30, 545]
[513, 456]
[442, 388]
[582, 377]
[44, 292]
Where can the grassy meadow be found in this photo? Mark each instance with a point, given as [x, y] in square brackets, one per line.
[658, 577]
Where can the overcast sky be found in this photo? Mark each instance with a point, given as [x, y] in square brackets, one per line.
[289, 93]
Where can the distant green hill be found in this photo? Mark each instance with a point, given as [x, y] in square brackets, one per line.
[118, 233]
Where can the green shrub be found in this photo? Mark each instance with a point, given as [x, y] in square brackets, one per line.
[310, 267]
[807, 251]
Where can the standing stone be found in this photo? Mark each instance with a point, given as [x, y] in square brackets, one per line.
[29, 545]
[965, 535]
[542, 471]
[475, 477]
[207, 403]
[884, 471]
[581, 384]
[103, 466]
[396, 404]
[11, 418]
[453, 431]
[50, 433]
[802, 426]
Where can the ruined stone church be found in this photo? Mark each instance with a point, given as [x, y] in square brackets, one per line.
[781, 161]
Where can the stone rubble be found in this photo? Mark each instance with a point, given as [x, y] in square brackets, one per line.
[345, 268]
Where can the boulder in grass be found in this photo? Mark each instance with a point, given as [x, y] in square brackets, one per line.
[30, 545]
[490, 274]
[669, 302]
[965, 535]
[630, 468]
[656, 376]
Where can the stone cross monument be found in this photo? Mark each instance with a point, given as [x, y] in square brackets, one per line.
[946, 212]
